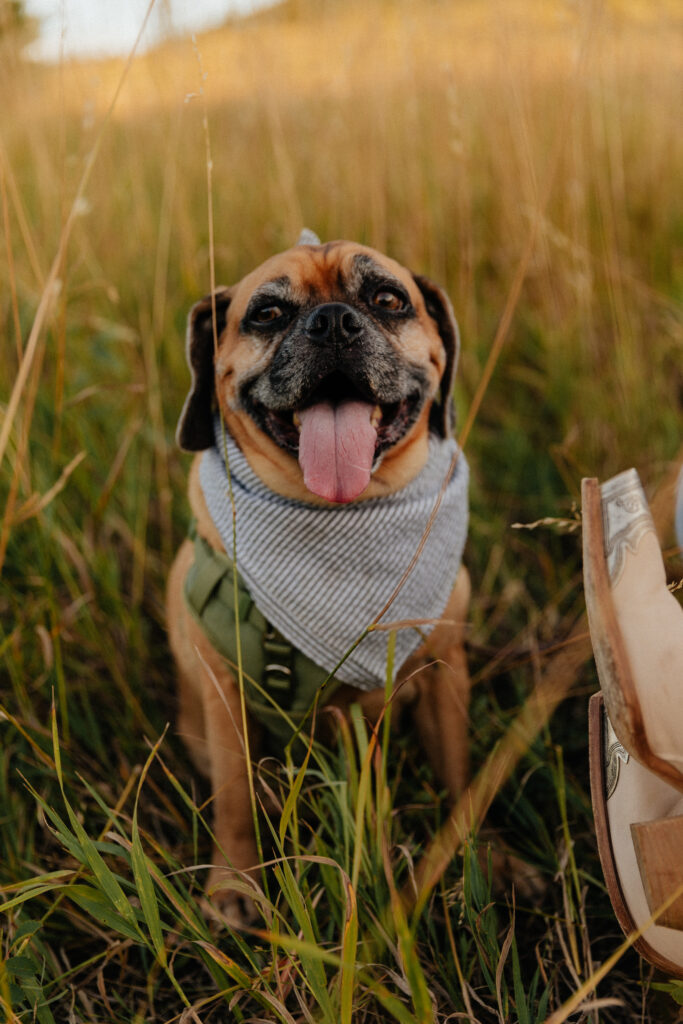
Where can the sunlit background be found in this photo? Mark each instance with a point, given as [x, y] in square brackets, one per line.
[80, 28]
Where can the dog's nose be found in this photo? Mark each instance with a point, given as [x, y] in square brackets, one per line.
[333, 322]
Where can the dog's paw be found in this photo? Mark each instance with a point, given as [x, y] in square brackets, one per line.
[507, 870]
[230, 899]
[527, 880]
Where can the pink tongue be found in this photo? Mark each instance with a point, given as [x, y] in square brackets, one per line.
[337, 449]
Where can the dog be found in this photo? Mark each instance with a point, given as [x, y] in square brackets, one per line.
[326, 378]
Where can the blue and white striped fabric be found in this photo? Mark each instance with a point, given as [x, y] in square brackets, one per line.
[321, 575]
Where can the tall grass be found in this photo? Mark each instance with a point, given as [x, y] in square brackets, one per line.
[526, 156]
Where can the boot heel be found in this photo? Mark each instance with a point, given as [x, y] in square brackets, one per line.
[659, 851]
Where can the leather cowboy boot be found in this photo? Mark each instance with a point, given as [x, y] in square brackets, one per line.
[636, 739]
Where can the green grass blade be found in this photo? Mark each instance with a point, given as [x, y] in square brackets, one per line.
[19, 983]
[347, 974]
[518, 986]
[293, 795]
[227, 964]
[364, 789]
[141, 873]
[313, 951]
[90, 856]
[23, 972]
[98, 905]
[66, 838]
[415, 977]
[48, 876]
[398, 1010]
[313, 965]
[34, 891]
[146, 892]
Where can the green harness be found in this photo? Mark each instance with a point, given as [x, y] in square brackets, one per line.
[280, 683]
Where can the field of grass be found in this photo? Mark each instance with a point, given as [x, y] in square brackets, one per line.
[526, 155]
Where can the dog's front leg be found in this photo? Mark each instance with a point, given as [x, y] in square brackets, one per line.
[235, 845]
[443, 692]
[441, 718]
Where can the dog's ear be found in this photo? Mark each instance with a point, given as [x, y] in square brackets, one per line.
[195, 426]
[439, 307]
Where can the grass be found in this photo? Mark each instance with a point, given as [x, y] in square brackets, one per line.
[526, 156]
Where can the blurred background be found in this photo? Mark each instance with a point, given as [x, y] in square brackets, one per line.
[76, 28]
[526, 155]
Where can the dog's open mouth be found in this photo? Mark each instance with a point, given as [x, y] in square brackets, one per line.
[338, 434]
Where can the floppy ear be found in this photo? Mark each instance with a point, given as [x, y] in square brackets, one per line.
[439, 307]
[195, 426]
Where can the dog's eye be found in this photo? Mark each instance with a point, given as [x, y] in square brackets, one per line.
[267, 314]
[388, 299]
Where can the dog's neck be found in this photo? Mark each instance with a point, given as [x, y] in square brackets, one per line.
[321, 574]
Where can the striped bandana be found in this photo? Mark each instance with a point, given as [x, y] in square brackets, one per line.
[321, 575]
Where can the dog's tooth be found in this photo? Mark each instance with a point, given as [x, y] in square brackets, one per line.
[376, 416]
[296, 420]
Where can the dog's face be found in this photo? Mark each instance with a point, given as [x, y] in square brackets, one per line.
[328, 363]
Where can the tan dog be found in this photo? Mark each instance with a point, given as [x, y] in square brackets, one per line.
[329, 364]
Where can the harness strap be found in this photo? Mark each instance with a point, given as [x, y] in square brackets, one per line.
[289, 678]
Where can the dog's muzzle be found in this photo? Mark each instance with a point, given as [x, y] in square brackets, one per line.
[337, 395]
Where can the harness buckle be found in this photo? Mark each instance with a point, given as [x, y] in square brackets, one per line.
[278, 673]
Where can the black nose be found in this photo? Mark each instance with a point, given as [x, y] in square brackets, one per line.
[334, 322]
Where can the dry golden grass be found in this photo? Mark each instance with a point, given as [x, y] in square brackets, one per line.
[342, 50]
[525, 154]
